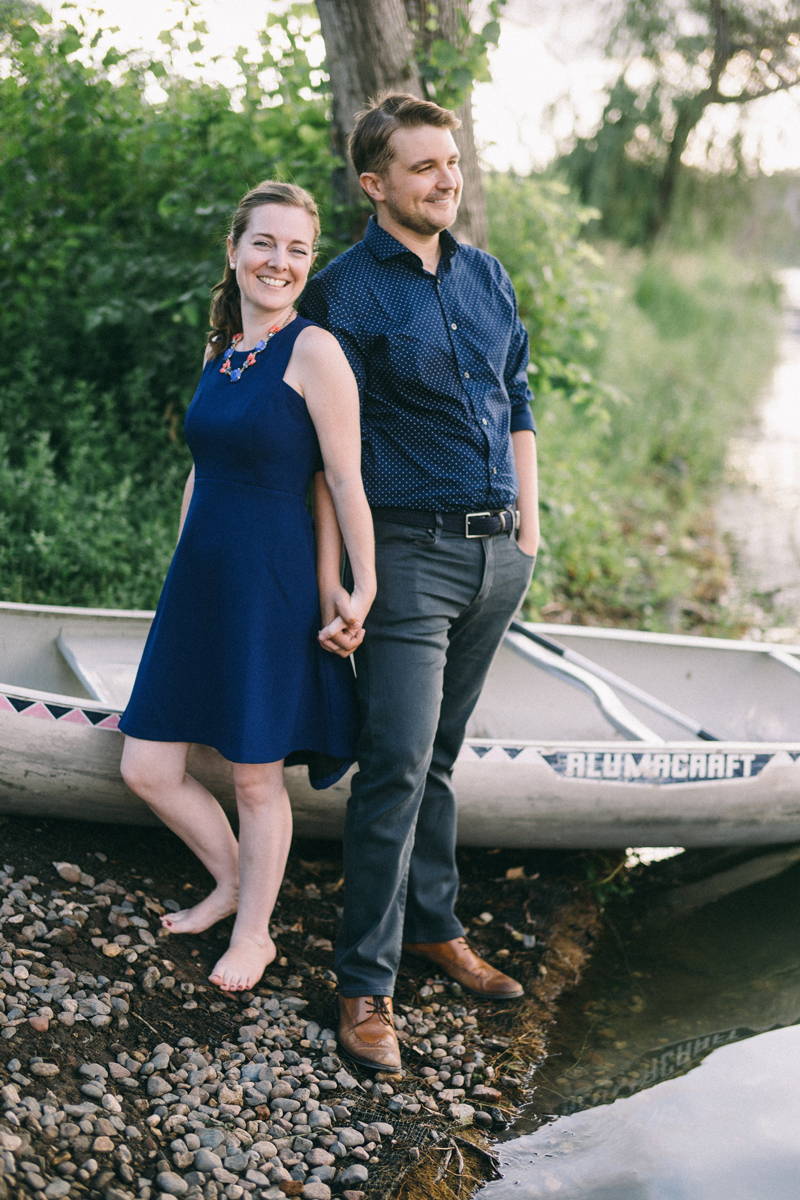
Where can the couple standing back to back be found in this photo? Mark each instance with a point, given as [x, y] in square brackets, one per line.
[431, 333]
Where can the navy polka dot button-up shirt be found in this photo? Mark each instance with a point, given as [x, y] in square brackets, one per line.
[441, 364]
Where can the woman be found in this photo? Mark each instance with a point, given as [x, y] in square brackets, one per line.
[233, 659]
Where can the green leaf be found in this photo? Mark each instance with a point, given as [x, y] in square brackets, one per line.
[158, 69]
[70, 41]
[27, 35]
[111, 57]
[462, 79]
[491, 32]
[200, 27]
[195, 46]
[445, 55]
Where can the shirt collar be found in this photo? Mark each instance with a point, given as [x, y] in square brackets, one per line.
[382, 245]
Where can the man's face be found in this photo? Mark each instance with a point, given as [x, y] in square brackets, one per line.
[422, 185]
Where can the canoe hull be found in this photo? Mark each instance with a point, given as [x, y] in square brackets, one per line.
[540, 766]
[72, 771]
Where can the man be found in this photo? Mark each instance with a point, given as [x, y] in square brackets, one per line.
[431, 330]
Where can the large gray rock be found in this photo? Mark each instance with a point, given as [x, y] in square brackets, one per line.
[211, 1138]
[353, 1176]
[237, 1162]
[57, 1189]
[172, 1184]
[350, 1137]
[206, 1160]
[315, 1189]
[156, 1086]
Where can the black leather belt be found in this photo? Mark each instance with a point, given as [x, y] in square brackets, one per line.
[471, 525]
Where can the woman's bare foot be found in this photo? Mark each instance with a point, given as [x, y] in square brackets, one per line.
[219, 904]
[243, 964]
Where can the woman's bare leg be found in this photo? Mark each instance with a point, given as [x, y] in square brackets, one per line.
[156, 771]
[265, 834]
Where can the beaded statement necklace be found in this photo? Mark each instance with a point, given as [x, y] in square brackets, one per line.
[236, 374]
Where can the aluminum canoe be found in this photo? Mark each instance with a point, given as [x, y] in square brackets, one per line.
[559, 753]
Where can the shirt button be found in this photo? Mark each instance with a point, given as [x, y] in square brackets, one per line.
[454, 326]
[466, 374]
[485, 421]
[494, 470]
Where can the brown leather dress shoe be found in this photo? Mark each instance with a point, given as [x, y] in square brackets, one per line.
[463, 965]
[366, 1032]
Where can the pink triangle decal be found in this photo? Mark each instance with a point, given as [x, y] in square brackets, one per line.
[76, 717]
[111, 722]
[38, 711]
[6, 705]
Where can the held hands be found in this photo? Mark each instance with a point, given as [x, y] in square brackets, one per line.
[344, 621]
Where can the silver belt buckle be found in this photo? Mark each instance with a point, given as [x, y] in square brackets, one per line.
[468, 517]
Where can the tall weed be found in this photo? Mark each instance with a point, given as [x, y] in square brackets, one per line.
[629, 534]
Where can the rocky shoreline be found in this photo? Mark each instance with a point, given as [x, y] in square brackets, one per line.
[124, 1075]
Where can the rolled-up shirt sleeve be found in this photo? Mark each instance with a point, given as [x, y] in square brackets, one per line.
[516, 377]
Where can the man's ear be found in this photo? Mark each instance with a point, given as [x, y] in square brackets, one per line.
[372, 185]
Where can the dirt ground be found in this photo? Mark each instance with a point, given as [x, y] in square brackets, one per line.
[528, 912]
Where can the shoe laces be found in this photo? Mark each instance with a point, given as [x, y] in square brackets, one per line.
[380, 1008]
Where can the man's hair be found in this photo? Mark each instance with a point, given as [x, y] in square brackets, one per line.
[370, 142]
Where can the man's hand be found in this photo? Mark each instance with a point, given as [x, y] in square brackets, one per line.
[528, 543]
[343, 615]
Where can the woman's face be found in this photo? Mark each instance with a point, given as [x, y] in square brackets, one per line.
[273, 257]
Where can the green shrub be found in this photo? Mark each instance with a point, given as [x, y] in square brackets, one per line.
[113, 213]
[627, 503]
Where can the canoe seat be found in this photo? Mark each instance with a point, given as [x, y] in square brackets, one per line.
[106, 666]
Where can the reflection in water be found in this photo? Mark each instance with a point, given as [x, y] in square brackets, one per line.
[664, 1080]
[764, 515]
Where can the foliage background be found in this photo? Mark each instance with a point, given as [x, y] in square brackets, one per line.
[113, 213]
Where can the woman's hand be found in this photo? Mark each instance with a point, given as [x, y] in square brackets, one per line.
[343, 615]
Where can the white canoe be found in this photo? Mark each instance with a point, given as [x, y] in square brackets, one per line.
[555, 756]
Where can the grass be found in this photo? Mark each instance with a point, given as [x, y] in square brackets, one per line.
[628, 493]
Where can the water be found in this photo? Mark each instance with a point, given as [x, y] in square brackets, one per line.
[761, 508]
[675, 1066]
[675, 1072]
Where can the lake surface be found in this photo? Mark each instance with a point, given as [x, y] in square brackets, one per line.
[761, 506]
[675, 1067]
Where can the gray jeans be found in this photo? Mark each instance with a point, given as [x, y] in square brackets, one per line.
[443, 605]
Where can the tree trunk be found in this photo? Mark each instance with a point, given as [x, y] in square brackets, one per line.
[689, 113]
[472, 224]
[369, 49]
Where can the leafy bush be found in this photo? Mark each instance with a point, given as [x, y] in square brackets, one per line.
[112, 216]
[113, 213]
[630, 537]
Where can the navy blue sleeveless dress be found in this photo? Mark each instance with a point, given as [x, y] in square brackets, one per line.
[232, 660]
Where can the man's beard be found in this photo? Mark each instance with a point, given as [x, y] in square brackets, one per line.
[416, 222]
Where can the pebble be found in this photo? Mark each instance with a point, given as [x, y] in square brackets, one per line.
[315, 1189]
[56, 1189]
[355, 1174]
[172, 1184]
[266, 1118]
[206, 1160]
[44, 1070]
